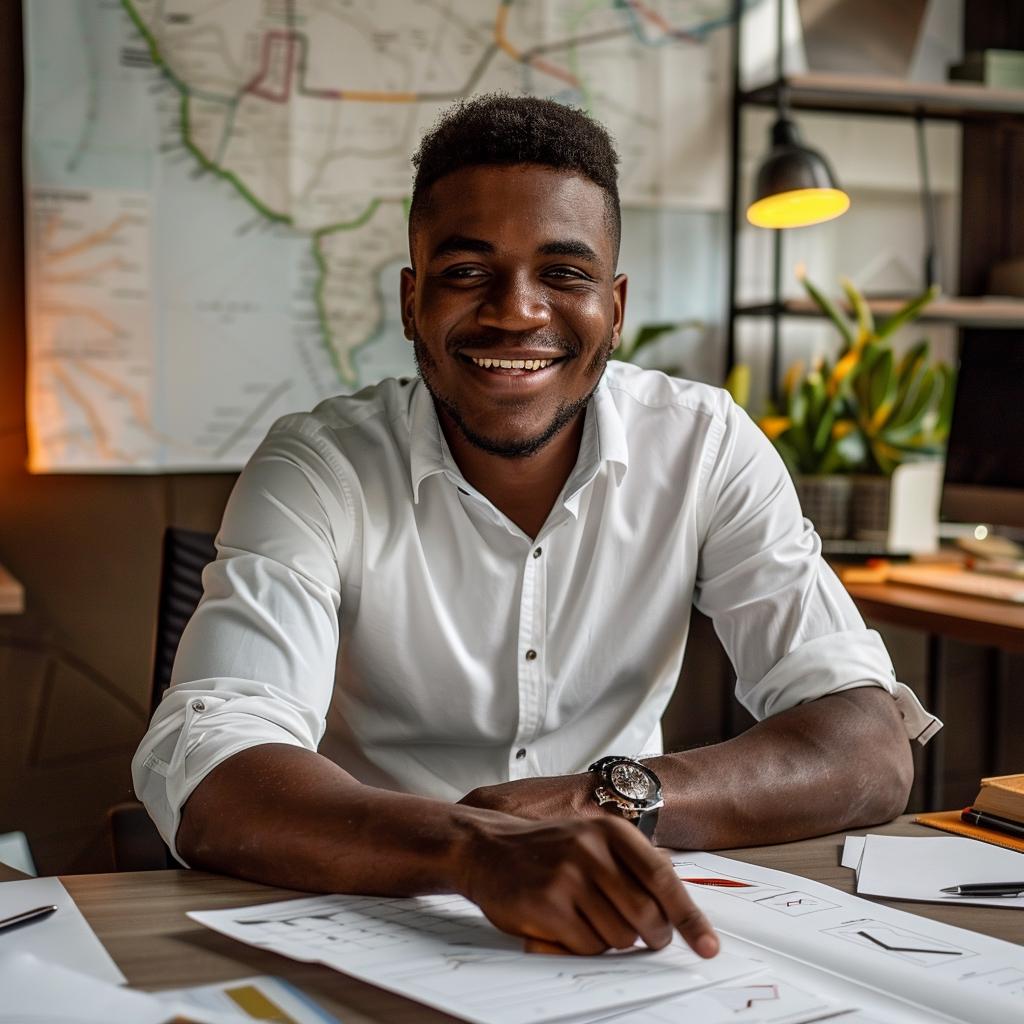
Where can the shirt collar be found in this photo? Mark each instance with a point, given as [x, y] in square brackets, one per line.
[604, 440]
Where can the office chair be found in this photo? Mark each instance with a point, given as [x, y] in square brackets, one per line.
[136, 843]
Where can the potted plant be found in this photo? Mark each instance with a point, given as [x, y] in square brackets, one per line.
[902, 409]
[842, 429]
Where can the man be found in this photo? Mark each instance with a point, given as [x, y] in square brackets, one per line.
[438, 603]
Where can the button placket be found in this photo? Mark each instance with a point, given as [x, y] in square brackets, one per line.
[530, 667]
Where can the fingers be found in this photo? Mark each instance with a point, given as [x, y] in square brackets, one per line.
[565, 931]
[542, 946]
[653, 870]
[618, 907]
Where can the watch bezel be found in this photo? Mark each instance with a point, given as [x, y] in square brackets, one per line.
[605, 766]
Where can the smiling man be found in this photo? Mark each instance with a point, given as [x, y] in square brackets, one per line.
[447, 614]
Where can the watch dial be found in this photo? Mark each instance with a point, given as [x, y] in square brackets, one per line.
[631, 781]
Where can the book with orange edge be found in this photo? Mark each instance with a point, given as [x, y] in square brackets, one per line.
[1003, 796]
[950, 821]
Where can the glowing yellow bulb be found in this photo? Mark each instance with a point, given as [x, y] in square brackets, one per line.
[799, 208]
[980, 532]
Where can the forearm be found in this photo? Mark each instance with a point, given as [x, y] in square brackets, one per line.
[838, 762]
[286, 816]
[842, 761]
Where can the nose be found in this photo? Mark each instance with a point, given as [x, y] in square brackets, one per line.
[514, 302]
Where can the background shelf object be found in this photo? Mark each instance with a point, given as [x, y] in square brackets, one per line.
[858, 94]
[12, 594]
[964, 312]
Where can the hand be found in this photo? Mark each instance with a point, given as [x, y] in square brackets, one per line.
[579, 887]
[540, 799]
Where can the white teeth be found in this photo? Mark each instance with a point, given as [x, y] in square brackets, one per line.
[513, 364]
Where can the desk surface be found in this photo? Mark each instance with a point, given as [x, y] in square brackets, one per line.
[974, 619]
[140, 918]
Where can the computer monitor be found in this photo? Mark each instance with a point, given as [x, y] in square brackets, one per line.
[984, 481]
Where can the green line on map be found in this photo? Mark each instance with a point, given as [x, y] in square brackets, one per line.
[346, 374]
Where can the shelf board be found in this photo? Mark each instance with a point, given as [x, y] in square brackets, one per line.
[964, 312]
[12, 594]
[865, 94]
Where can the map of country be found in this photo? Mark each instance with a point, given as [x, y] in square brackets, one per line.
[218, 191]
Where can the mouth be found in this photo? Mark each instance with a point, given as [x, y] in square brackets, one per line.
[521, 365]
[518, 366]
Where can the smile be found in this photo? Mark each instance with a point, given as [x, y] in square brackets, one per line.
[512, 364]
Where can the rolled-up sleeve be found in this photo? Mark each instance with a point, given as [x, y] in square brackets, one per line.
[788, 625]
[256, 663]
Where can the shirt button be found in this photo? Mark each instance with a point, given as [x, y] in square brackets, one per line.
[520, 753]
[531, 654]
[198, 705]
[536, 553]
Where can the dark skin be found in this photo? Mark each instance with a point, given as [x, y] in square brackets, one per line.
[517, 264]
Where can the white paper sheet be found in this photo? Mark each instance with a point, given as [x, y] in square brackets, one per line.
[760, 999]
[63, 938]
[853, 850]
[963, 975]
[905, 868]
[442, 951]
[34, 990]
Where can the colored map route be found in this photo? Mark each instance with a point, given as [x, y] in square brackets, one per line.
[173, 340]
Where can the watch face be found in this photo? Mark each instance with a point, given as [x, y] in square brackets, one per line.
[632, 782]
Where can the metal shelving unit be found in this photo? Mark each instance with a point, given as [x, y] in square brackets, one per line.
[849, 94]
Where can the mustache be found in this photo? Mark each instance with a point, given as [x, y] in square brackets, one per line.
[550, 341]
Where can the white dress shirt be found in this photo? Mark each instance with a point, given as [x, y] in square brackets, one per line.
[368, 602]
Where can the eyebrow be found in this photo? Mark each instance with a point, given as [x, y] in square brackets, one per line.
[454, 245]
[570, 247]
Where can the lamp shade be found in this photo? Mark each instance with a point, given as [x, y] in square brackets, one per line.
[795, 185]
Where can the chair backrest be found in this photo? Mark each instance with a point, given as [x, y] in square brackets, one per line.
[186, 554]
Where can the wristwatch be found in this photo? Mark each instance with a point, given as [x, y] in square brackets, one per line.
[632, 788]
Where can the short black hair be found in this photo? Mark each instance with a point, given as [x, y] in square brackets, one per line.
[499, 130]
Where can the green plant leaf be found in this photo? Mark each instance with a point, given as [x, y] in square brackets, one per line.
[884, 386]
[861, 310]
[831, 310]
[911, 311]
[941, 431]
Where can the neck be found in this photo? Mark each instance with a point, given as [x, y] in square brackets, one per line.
[524, 489]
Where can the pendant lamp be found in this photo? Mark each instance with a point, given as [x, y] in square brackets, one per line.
[795, 185]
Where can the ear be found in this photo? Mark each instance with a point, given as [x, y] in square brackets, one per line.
[407, 294]
[619, 299]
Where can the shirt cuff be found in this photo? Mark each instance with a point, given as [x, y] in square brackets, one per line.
[830, 664]
[205, 730]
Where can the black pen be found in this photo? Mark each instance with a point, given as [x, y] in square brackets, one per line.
[1011, 828]
[986, 889]
[26, 916]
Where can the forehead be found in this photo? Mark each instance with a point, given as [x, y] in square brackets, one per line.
[515, 206]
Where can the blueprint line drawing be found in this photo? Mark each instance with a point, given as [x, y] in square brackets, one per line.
[723, 882]
[796, 904]
[901, 943]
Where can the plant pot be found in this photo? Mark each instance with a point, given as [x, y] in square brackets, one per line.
[869, 508]
[825, 500]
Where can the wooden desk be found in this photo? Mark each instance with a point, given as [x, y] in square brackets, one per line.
[140, 918]
[998, 625]
[958, 616]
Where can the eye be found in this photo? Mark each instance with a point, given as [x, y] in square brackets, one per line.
[565, 272]
[464, 272]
